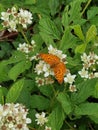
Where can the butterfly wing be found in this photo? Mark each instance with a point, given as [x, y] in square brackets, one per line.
[59, 71]
[50, 59]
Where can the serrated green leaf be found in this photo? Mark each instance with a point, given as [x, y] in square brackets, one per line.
[92, 12]
[91, 33]
[16, 57]
[85, 90]
[87, 109]
[78, 31]
[53, 4]
[94, 118]
[68, 40]
[81, 48]
[56, 118]
[18, 69]
[15, 91]
[72, 13]
[65, 102]
[39, 102]
[48, 28]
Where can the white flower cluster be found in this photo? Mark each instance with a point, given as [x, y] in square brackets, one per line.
[44, 68]
[44, 81]
[70, 79]
[12, 18]
[14, 117]
[90, 63]
[41, 120]
[26, 48]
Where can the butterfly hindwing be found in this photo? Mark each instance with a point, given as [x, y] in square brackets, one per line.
[59, 71]
[57, 66]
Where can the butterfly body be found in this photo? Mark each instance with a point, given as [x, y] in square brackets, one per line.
[56, 64]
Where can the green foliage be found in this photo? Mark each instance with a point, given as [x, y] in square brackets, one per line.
[15, 91]
[18, 69]
[65, 102]
[71, 26]
[56, 118]
[85, 89]
[39, 102]
[48, 30]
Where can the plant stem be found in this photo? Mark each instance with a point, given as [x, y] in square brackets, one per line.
[31, 128]
[89, 1]
[3, 100]
[69, 125]
[23, 34]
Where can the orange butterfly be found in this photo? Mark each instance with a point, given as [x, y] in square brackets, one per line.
[58, 67]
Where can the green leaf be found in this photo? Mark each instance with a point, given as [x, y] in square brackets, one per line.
[91, 33]
[53, 4]
[87, 109]
[78, 31]
[1, 96]
[46, 90]
[15, 91]
[64, 100]
[48, 29]
[39, 102]
[68, 40]
[1, 10]
[94, 118]
[72, 13]
[81, 48]
[18, 69]
[16, 57]
[30, 2]
[56, 118]
[92, 12]
[95, 92]
[4, 71]
[85, 90]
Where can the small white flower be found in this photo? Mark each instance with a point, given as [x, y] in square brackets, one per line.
[83, 73]
[96, 74]
[13, 10]
[69, 78]
[85, 58]
[39, 67]
[47, 128]
[33, 42]
[41, 119]
[5, 16]
[72, 88]
[28, 120]
[40, 81]
[91, 75]
[56, 52]
[12, 26]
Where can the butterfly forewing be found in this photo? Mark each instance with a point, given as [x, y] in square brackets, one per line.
[50, 59]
